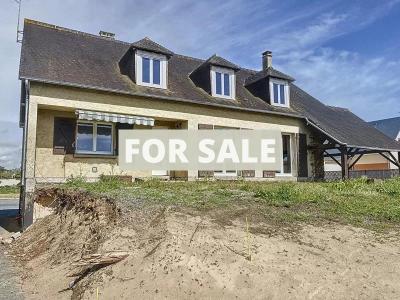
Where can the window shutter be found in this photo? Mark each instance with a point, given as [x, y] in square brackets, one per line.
[64, 135]
[120, 126]
[303, 157]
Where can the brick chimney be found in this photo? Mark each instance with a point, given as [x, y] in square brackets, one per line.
[267, 60]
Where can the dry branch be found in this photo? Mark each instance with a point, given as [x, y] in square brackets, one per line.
[101, 259]
[91, 263]
[194, 232]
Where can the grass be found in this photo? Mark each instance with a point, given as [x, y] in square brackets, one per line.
[8, 190]
[357, 202]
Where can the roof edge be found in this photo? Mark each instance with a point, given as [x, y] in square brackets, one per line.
[65, 29]
[89, 87]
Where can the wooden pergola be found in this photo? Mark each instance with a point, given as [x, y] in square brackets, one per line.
[347, 156]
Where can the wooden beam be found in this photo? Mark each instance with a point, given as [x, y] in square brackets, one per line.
[355, 161]
[344, 164]
[333, 158]
[360, 151]
[397, 164]
[388, 158]
[398, 158]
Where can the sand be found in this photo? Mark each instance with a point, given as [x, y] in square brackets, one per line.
[175, 254]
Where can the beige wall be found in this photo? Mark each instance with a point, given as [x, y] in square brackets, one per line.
[47, 102]
[370, 161]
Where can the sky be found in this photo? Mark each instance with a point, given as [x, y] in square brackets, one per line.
[345, 53]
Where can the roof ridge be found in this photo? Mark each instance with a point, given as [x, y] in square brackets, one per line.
[56, 27]
[337, 107]
[387, 119]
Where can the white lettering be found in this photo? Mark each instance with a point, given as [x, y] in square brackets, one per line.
[209, 152]
[130, 150]
[160, 151]
[245, 153]
[228, 151]
[267, 148]
[177, 147]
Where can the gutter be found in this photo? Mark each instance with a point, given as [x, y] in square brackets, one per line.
[175, 99]
[24, 145]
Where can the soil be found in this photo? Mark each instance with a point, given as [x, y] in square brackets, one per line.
[177, 253]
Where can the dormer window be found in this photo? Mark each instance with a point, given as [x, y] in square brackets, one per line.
[151, 69]
[222, 82]
[279, 92]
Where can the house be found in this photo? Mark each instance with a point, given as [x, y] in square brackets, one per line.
[79, 89]
[374, 161]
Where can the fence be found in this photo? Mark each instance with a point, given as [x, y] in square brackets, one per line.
[376, 174]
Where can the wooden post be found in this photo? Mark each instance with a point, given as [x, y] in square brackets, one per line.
[344, 163]
[398, 159]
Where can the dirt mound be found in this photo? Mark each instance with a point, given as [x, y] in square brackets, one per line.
[176, 254]
[79, 225]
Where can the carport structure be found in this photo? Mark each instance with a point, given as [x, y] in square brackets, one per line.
[346, 157]
[344, 137]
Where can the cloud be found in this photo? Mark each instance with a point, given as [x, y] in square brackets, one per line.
[10, 145]
[368, 87]
[296, 31]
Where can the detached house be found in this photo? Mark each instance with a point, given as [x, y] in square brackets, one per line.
[78, 90]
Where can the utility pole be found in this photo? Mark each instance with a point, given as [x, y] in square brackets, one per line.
[19, 31]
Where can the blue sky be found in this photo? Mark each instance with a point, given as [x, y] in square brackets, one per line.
[345, 53]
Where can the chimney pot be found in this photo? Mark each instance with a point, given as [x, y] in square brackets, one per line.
[267, 59]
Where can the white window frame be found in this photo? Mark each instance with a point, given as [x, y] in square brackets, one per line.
[139, 55]
[281, 173]
[225, 173]
[286, 91]
[94, 124]
[232, 82]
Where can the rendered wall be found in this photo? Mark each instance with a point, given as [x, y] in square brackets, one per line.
[54, 101]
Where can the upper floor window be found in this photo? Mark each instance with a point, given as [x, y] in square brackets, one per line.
[222, 82]
[279, 92]
[151, 69]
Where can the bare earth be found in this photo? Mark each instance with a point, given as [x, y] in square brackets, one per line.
[175, 254]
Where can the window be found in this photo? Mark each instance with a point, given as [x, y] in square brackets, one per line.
[222, 83]
[279, 91]
[94, 138]
[286, 156]
[151, 69]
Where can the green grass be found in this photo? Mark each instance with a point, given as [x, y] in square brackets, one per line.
[6, 190]
[357, 202]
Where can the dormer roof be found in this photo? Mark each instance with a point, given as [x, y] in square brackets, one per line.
[219, 61]
[147, 44]
[65, 57]
[269, 72]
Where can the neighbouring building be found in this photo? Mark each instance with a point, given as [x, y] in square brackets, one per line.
[79, 89]
[374, 161]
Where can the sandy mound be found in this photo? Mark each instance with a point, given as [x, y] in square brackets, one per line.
[179, 255]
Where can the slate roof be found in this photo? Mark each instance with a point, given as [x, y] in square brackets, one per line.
[149, 45]
[269, 72]
[390, 127]
[57, 55]
[221, 62]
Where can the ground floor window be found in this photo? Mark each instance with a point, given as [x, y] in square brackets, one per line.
[94, 138]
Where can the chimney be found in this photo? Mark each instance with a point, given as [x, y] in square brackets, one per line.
[108, 35]
[267, 60]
